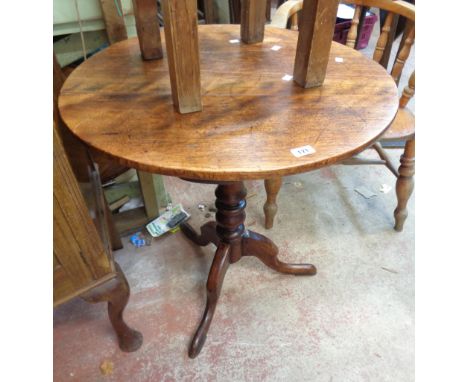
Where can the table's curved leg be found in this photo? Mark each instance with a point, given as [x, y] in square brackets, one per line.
[233, 242]
[207, 233]
[255, 244]
[213, 289]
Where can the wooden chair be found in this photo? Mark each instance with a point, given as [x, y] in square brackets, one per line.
[235, 11]
[402, 128]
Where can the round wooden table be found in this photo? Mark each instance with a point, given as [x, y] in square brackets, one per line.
[253, 118]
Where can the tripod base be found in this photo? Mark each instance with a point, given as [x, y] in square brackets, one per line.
[233, 242]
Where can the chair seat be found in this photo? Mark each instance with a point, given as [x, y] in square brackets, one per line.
[402, 126]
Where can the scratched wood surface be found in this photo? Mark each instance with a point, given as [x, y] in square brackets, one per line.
[251, 119]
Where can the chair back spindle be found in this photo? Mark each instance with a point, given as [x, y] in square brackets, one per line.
[383, 38]
[403, 55]
[408, 91]
[353, 31]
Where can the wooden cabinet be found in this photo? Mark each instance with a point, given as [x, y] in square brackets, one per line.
[82, 261]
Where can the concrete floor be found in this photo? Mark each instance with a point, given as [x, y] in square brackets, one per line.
[353, 321]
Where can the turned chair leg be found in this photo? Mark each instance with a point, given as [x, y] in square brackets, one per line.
[405, 183]
[117, 292]
[272, 187]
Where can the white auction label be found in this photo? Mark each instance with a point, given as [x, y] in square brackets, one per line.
[303, 150]
[275, 47]
[339, 59]
[287, 77]
[234, 41]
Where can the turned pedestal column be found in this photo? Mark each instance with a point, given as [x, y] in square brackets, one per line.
[233, 242]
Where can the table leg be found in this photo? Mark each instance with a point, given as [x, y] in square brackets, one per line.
[263, 248]
[208, 234]
[213, 289]
[233, 242]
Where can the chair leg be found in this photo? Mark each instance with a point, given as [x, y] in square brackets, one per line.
[272, 187]
[405, 183]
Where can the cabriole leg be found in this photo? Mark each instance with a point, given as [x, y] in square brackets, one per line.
[213, 290]
[117, 292]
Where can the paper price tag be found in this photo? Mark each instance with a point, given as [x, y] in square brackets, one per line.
[302, 151]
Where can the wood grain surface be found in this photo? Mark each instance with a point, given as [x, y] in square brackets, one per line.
[251, 118]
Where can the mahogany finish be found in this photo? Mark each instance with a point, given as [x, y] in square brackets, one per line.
[233, 242]
[252, 118]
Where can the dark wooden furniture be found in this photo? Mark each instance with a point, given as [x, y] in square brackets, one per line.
[252, 117]
[147, 24]
[235, 11]
[83, 264]
[402, 128]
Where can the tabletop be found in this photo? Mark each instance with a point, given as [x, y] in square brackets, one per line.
[253, 113]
